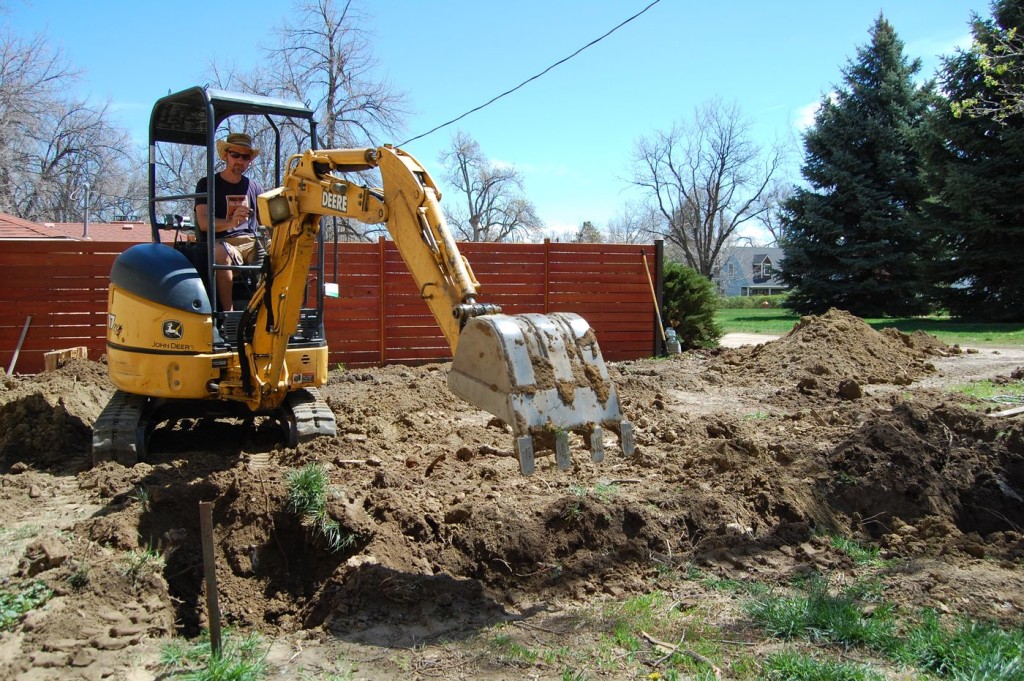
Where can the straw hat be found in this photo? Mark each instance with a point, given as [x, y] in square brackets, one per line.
[236, 139]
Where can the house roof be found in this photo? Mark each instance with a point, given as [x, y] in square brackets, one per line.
[16, 228]
[104, 231]
[12, 227]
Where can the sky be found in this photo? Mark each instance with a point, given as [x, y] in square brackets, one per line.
[570, 133]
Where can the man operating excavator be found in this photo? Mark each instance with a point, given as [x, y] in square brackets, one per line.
[234, 210]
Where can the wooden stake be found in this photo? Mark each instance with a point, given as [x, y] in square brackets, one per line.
[210, 572]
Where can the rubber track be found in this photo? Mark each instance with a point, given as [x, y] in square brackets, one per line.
[312, 417]
[115, 434]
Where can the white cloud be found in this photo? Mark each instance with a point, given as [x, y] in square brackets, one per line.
[805, 114]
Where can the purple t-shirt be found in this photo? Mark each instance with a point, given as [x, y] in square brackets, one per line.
[230, 192]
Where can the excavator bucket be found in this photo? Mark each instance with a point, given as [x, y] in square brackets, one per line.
[544, 376]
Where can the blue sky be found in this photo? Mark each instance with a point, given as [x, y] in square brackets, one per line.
[570, 133]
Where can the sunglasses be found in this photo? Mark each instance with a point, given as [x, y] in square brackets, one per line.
[244, 157]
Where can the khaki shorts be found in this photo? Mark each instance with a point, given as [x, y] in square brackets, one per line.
[241, 249]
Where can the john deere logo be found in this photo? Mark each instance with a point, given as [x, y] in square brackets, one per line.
[173, 329]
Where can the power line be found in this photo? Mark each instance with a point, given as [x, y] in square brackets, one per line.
[532, 78]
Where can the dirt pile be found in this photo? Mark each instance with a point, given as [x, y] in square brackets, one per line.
[741, 466]
[823, 351]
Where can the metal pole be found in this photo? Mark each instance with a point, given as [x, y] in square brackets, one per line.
[85, 231]
[17, 350]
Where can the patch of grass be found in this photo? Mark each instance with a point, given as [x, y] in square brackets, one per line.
[605, 492]
[240, 659]
[17, 601]
[141, 495]
[510, 650]
[950, 331]
[970, 650]
[1010, 392]
[821, 615]
[308, 489]
[794, 666]
[138, 564]
[865, 556]
[79, 579]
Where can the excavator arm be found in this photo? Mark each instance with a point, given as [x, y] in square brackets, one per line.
[543, 375]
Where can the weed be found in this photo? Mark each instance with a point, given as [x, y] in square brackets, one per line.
[578, 490]
[308, 490]
[572, 513]
[860, 555]
[604, 492]
[1011, 392]
[141, 495]
[793, 666]
[139, 564]
[824, 616]
[757, 416]
[79, 579]
[513, 651]
[15, 604]
[239, 659]
[968, 651]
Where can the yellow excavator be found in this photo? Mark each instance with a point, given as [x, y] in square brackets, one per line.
[172, 354]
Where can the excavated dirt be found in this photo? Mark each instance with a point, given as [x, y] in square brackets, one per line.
[746, 459]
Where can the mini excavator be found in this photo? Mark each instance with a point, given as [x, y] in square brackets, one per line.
[172, 354]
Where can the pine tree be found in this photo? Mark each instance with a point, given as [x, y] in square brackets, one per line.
[976, 176]
[853, 238]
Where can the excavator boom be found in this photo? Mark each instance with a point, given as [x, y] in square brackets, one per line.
[543, 375]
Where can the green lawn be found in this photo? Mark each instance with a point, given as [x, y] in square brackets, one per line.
[778, 321]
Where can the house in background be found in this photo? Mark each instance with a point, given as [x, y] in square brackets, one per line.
[751, 271]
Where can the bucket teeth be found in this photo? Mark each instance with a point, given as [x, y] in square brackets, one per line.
[596, 445]
[542, 375]
[562, 455]
[626, 438]
[524, 452]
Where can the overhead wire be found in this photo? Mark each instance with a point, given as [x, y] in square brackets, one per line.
[530, 79]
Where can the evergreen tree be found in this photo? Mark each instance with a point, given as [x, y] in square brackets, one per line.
[976, 177]
[853, 239]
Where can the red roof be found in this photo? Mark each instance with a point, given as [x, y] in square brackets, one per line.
[16, 228]
[103, 231]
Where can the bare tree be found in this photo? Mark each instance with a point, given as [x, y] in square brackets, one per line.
[326, 59]
[322, 56]
[769, 213]
[706, 179]
[53, 144]
[489, 204]
[635, 224]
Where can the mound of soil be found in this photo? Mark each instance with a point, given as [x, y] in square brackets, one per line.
[745, 458]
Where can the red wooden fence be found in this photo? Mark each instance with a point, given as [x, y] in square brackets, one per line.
[378, 318]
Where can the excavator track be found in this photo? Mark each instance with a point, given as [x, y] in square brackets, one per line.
[120, 432]
[307, 416]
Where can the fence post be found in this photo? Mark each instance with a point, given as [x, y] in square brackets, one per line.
[382, 294]
[659, 288]
[547, 276]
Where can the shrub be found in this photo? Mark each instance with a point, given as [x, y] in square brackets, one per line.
[689, 302]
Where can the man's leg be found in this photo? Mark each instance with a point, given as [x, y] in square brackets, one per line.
[226, 255]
